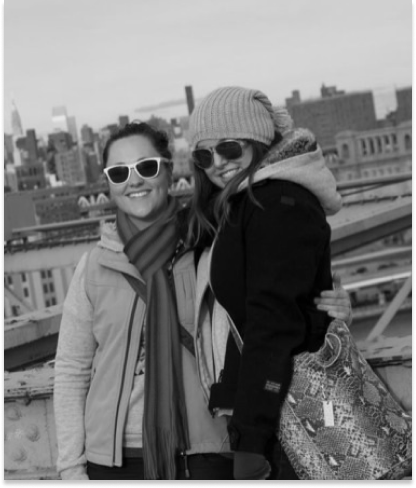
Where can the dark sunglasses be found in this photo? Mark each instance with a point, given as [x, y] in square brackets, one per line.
[146, 169]
[229, 149]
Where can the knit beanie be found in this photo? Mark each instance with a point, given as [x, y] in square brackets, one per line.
[237, 113]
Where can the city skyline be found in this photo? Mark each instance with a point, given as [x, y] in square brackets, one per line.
[101, 50]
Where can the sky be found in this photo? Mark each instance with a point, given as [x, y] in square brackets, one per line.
[105, 58]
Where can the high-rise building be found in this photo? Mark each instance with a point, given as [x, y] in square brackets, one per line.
[60, 141]
[91, 165]
[31, 176]
[123, 120]
[17, 127]
[334, 112]
[32, 146]
[17, 130]
[60, 119]
[190, 98]
[404, 104]
[10, 178]
[72, 128]
[8, 148]
[69, 167]
[87, 135]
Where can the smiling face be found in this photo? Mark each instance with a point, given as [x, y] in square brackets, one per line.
[223, 170]
[143, 200]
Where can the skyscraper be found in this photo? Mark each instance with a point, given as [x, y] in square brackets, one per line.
[123, 120]
[404, 104]
[87, 135]
[32, 146]
[17, 128]
[72, 128]
[60, 119]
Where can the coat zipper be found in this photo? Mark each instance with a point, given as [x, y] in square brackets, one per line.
[136, 298]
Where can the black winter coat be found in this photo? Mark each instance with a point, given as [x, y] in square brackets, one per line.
[268, 265]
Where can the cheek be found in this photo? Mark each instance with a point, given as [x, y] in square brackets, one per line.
[162, 186]
[116, 191]
[210, 174]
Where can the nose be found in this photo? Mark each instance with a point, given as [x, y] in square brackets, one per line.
[135, 179]
[219, 161]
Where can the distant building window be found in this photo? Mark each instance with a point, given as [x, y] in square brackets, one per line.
[53, 301]
[394, 141]
[371, 143]
[45, 288]
[381, 171]
[42, 274]
[408, 142]
[10, 280]
[23, 277]
[51, 287]
[47, 303]
[379, 145]
[49, 273]
[26, 292]
[387, 143]
[345, 151]
[15, 310]
[363, 147]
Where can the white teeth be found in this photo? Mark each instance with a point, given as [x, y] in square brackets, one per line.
[229, 174]
[139, 194]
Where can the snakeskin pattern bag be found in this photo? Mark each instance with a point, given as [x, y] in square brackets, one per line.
[338, 421]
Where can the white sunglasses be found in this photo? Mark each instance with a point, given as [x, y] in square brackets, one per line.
[146, 168]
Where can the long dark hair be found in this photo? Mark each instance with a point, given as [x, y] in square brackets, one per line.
[210, 206]
[158, 138]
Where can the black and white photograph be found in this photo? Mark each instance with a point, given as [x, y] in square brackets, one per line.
[207, 240]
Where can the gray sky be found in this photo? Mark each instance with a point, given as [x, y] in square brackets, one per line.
[103, 58]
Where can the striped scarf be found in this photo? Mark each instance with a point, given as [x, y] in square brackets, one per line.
[164, 417]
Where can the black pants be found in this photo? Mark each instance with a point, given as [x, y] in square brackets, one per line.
[200, 467]
[281, 467]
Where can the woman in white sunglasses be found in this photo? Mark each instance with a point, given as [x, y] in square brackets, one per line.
[128, 402]
[263, 191]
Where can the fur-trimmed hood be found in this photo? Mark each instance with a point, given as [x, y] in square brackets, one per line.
[299, 159]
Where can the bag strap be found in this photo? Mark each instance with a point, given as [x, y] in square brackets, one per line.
[236, 335]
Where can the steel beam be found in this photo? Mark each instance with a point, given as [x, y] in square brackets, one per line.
[386, 275]
[385, 254]
[382, 181]
[31, 338]
[366, 227]
[16, 298]
[391, 310]
[46, 258]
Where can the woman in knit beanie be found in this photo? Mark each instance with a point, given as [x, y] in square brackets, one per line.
[263, 191]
